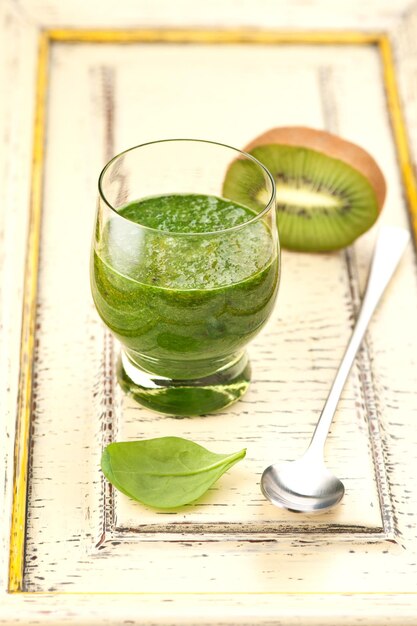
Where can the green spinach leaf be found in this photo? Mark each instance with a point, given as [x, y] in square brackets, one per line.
[166, 472]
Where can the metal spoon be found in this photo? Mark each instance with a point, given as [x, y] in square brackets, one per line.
[306, 485]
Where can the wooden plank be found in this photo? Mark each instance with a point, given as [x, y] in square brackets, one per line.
[29, 308]
[294, 15]
[18, 44]
[207, 609]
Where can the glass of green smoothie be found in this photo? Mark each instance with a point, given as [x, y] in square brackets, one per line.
[183, 276]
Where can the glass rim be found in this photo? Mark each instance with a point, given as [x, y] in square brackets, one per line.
[254, 219]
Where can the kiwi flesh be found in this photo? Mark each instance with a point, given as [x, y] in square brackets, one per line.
[329, 191]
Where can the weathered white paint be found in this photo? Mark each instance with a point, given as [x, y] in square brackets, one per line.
[205, 609]
[18, 42]
[67, 514]
[294, 14]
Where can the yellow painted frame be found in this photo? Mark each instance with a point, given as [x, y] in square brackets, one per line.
[46, 38]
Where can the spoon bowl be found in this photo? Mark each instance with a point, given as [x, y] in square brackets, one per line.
[301, 486]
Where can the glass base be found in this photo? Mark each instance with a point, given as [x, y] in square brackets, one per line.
[185, 397]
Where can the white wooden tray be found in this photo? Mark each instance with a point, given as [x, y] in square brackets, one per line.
[97, 93]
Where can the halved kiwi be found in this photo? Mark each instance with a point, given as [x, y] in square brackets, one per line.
[329, 191]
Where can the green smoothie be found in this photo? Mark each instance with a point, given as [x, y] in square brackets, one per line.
[184, 295]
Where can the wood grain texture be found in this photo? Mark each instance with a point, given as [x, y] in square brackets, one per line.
[79, 538]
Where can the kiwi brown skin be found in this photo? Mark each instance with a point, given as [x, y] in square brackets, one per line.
[331, 145]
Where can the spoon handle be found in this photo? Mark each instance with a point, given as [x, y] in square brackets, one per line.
[389, 248]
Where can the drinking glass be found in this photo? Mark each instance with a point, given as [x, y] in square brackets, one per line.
[182, 274]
